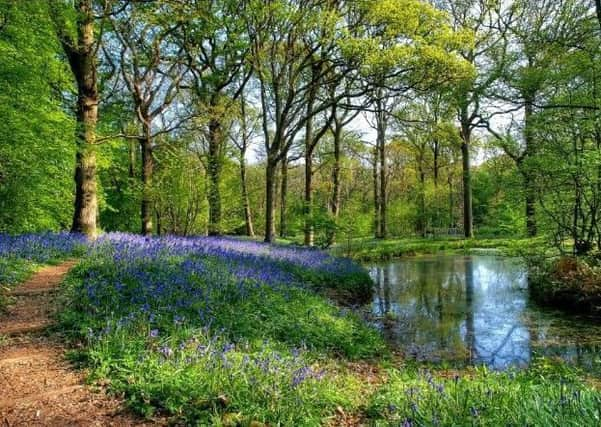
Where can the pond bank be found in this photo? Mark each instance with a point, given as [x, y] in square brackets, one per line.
[380, 250]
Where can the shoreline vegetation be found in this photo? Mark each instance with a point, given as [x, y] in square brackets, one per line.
[233, 332]
[369, 249]
[569, 283]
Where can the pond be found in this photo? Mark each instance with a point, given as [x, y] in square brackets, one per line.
[475, 310]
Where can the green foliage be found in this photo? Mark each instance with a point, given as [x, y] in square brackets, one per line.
[373, 250]
[498, 198]
[546, 395]
[36, 135]
[412, 36]
[15, 270]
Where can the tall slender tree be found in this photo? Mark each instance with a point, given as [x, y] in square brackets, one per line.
[282, 62]
[214, 41]
[483, 19]
[149, 63]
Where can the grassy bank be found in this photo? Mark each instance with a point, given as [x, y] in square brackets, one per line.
[217, 332]
[377, 250]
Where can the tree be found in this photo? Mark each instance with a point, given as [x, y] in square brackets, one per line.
[282, 62]
[485, 20]
[149, 64]
[341, 116]
[213, 39]
[539, 35]
[568, 164]
[402, 46]
[248, 123]
[81, 50]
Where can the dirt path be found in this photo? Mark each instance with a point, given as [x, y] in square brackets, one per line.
[38, 387]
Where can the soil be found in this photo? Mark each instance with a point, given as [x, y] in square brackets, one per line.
[38, 386]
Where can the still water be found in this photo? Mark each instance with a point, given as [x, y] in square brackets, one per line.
[465, 310]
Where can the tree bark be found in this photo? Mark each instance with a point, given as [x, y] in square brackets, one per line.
[422, 200]
[157, 214]
[376, 191]
[336, 190]
[383, 231]
[248, 223]
[214, 163]
[284, 198]
[147, 172]
[132, 158]
[243, 146]
[308, 207]
[309, 147]
[82, 61]
[451, 203]
[270, 169]
[598, 7]
[436, 163]
[468, 220]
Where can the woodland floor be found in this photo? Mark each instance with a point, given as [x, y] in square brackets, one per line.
[39, 387]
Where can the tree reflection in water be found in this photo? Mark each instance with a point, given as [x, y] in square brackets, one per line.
[474, 310]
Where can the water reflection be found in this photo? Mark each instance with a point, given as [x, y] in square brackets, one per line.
[475, 310]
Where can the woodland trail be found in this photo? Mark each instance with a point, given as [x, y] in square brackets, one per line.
[38, 386]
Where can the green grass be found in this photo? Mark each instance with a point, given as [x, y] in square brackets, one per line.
[545, 395]
[376, 250]
[15, 270]
[12, 272]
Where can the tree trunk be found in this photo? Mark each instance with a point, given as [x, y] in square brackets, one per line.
[422, 201]
[270, 169]
[147, 172]
[245, 199]
[382, 159]
[284, 198]
[309, 147]
[86, 201]
[436, 163]
[451, 203]
[598, 7]
[376, 191]
[157, 214]
[214, 163]
[335, 202]
[468, 220]
[82, 61]
[531, 226]
[308, 208]
[132, 158]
